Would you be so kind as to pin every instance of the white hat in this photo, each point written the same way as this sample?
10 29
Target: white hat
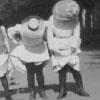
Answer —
66 10
33 24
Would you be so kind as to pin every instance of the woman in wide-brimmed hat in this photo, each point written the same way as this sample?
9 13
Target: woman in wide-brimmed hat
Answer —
32 51
64 42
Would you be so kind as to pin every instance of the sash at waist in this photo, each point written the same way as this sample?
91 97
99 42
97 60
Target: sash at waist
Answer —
31 41
39 48
62 36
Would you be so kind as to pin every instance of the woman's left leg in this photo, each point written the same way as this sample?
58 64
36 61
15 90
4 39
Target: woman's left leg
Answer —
40 80
78 78
31 80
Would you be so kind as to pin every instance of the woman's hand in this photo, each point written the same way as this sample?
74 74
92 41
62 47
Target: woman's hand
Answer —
17 37
73 50
51 52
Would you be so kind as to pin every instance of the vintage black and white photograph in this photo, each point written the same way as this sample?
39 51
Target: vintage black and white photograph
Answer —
49 50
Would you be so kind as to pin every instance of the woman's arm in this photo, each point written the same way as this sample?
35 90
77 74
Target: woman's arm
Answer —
14 33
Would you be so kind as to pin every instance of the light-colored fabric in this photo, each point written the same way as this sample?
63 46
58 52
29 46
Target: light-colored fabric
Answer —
4 33
3 40
27 56
72 41
61 46
20 55
65 34
33 23
17 63
59 62
3 64
4 49
30 37
32 40
31 48
66 9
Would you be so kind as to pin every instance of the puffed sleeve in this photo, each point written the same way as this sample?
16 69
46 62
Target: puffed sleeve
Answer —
13 31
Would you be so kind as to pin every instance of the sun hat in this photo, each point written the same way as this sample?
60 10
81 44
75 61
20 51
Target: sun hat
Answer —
65 14
33 24
66 10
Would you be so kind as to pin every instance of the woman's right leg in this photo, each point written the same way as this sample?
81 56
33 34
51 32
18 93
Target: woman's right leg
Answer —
62 83
78 78
4 82
31 80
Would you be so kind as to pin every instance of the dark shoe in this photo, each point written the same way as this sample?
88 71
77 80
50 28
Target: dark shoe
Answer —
32 95
62 94
9 98
82 92
43 94
78 78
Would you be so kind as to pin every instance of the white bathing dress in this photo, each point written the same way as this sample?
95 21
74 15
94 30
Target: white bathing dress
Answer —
32 47
60 42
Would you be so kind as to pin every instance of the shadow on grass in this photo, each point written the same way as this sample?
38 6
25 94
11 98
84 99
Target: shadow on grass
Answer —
55 87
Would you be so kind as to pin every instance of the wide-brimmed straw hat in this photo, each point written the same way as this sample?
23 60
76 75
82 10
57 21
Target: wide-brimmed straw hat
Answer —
65 14
33 22
34 25
66 10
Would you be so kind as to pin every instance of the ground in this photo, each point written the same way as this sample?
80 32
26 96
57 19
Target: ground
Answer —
90 69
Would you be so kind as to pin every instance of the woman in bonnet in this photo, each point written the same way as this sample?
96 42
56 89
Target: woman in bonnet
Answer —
64 43
31 52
